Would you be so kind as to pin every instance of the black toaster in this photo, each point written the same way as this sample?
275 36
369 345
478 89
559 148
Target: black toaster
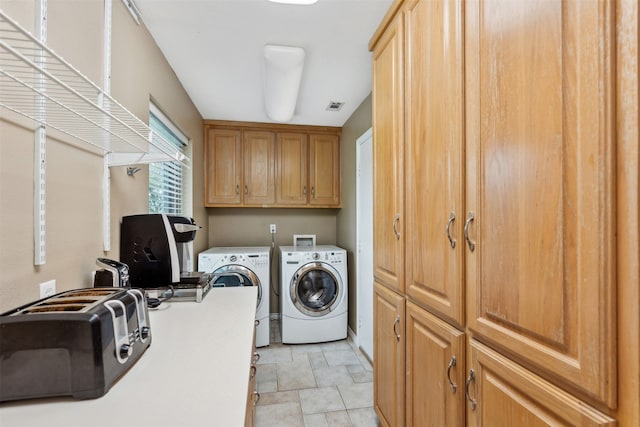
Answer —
76 343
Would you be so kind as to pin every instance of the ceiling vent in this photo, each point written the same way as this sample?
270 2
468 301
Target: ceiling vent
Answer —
335 106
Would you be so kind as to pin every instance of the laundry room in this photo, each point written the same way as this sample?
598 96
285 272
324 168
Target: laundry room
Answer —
298 213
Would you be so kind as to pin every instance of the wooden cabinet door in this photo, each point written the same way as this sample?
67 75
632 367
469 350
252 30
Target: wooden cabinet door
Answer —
540 142
506 394
324 170
388 158
434 145
388 354
435 364
291 169
259 150
223 171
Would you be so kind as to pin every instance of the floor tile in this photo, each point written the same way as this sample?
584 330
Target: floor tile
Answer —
335 345
279 415
266 379
323 399
295 375
315 420
278 397
341 357
274 354
305 348
364 417
338 419
332 375
362 377
317 360
357 395
355 368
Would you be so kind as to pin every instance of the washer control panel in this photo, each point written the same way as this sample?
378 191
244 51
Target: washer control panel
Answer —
330 257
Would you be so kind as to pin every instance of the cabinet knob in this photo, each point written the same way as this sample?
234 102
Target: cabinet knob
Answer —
304 190
313 191
237 188
246 189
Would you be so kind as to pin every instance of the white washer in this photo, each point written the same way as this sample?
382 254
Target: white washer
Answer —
242 266
313 294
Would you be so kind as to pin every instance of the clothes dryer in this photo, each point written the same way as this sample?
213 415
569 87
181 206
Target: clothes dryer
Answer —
242 266
313 294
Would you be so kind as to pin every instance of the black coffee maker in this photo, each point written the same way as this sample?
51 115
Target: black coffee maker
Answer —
156 248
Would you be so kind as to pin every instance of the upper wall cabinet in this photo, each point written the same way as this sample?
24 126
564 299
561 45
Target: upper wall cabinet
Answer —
239 167
266 165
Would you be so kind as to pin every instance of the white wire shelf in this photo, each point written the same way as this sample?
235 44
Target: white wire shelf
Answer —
38 84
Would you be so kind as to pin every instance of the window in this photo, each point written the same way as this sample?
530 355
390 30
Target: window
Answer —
166 187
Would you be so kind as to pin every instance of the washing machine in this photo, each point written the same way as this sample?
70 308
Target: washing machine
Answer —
313 294
242 266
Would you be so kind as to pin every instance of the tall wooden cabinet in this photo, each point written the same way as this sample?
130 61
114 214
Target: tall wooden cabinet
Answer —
499 233
388 157
540 178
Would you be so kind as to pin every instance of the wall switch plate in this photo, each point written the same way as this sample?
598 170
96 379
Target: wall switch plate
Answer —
272 229
47 289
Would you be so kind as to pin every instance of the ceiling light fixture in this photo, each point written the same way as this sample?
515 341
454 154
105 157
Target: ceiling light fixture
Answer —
283 73
299 2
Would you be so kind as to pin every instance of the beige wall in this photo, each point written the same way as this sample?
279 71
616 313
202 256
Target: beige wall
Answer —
358 123
73 175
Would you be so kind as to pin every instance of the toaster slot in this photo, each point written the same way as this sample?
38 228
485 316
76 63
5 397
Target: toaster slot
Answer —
54 308
120 330
143 323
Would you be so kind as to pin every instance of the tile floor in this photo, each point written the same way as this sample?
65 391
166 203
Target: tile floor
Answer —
313 385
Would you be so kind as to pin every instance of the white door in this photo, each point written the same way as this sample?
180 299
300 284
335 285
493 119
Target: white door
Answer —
364 259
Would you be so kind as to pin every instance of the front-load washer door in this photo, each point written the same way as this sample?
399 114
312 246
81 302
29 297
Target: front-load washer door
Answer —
316 289
234 275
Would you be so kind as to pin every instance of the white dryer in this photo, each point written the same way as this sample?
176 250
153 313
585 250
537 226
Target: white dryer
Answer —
242 266
313 294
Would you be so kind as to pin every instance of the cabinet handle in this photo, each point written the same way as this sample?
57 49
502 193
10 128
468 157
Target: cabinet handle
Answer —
395 226
472 402
246 189
452 242
253 371
396 323
313 191
452 363
237 188
257 322
256 357
256 397
304 190
472 244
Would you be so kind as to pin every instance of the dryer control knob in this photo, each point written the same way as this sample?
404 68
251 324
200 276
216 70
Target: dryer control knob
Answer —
233 258
316 255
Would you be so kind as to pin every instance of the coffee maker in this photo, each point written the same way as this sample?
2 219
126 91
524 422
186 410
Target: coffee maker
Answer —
157 249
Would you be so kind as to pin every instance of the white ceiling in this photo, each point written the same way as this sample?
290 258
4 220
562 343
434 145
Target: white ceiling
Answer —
215 48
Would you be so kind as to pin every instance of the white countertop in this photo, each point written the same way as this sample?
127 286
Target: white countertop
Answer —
195 373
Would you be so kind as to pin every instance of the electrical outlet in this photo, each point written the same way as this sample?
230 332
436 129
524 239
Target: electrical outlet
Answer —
47 289
272 229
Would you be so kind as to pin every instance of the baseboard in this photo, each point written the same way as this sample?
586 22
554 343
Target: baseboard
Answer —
353 335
